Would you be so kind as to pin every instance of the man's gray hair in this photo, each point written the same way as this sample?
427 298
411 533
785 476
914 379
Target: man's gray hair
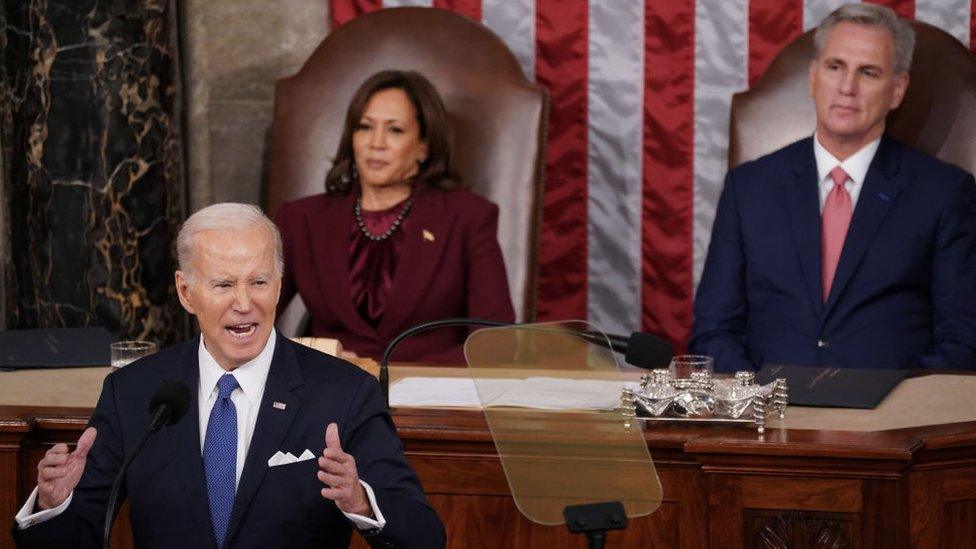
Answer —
872 15
226 216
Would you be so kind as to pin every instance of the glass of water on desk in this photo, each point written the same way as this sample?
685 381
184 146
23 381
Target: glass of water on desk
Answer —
691 366
124 352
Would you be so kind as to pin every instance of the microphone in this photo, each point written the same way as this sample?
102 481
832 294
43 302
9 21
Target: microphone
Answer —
640 349
167 406
648 351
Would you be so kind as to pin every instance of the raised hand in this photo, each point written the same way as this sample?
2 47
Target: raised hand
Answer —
59 471
337 471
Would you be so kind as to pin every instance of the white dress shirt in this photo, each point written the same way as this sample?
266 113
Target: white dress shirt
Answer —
251 379
855 165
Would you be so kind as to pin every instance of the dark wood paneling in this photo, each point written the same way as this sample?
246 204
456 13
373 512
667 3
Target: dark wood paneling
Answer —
807 494
656 530
885 514
959 524
685 488
490 522
724 511
458 474
959 483
925 504
478 521
12 432
721 486
10 500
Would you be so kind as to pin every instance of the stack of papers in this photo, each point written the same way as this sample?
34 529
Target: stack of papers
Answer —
544 393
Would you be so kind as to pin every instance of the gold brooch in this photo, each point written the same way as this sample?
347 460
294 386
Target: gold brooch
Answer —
428 236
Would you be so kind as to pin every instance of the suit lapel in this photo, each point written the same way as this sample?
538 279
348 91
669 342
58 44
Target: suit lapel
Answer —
881 187
424 239
330 245
185 440
272 425
803 204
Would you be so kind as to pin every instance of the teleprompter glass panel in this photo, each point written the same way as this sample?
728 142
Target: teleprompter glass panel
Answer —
551 395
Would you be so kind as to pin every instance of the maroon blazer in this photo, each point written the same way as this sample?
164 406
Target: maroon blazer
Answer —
460 273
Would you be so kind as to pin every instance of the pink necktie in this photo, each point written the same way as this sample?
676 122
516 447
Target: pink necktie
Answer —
836 220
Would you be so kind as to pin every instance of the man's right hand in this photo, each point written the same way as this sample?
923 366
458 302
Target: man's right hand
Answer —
59 471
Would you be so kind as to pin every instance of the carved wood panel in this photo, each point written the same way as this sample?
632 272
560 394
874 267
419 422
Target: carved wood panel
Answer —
765 529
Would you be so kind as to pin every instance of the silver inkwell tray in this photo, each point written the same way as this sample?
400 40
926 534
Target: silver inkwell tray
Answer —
703 398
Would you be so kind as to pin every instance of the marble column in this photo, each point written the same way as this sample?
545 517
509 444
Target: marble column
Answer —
93 175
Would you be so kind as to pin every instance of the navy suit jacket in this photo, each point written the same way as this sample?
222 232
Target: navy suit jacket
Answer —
275 506
459 273
904 294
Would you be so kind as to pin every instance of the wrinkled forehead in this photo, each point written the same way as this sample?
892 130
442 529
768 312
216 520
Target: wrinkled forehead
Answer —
234 253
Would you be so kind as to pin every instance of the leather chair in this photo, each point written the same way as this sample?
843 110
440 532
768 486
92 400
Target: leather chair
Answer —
938 114
498 118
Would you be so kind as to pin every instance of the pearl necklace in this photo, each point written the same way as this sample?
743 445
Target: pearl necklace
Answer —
358 212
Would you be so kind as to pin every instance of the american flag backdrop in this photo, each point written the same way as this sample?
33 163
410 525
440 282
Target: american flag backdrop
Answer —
638 134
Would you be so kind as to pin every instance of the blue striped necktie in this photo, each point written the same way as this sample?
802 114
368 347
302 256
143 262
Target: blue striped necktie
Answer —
220 457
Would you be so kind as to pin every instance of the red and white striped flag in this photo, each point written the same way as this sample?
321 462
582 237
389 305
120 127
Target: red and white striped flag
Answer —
638 133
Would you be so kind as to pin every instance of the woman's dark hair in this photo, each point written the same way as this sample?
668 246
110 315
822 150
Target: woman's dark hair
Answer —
435 129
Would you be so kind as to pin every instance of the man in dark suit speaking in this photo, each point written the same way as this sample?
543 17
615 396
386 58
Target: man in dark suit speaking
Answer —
282 446
845 249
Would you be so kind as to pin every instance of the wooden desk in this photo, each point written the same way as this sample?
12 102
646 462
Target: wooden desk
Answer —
797 487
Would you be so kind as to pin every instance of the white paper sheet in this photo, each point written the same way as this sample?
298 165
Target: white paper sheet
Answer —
545 393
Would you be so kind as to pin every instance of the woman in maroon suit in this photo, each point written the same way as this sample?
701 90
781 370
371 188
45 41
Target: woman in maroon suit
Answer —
394 241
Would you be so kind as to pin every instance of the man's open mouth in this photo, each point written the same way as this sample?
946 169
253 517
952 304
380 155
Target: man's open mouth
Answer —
242 331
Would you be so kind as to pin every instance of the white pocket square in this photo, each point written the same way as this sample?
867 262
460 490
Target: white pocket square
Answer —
286 458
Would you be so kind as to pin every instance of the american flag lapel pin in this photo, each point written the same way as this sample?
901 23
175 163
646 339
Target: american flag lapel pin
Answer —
278 405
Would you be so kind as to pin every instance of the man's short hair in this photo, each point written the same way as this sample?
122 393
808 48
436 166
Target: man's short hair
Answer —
226 216
871 15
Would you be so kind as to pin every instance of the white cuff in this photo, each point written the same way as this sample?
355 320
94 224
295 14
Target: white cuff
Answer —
366 523
25 519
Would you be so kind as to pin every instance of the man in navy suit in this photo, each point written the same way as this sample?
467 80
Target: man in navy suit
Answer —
239 469
846 249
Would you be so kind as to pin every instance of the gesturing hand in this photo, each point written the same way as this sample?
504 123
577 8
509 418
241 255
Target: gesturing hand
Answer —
337 471
59 471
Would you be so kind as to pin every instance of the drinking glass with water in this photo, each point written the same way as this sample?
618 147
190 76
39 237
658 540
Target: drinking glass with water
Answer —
124 352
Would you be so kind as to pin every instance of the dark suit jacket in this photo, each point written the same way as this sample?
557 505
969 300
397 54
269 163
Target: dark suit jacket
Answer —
461 273
904 295
275 507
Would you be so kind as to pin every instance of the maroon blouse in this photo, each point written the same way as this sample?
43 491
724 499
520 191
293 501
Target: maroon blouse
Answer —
372 263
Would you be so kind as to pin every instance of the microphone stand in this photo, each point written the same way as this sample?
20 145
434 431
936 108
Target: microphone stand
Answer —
384 362
155 422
